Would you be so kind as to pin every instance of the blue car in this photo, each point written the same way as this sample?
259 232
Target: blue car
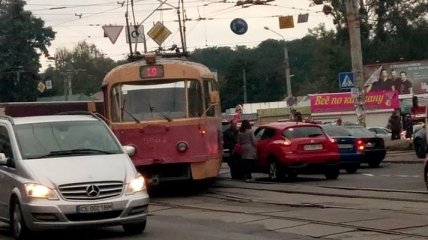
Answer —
351 148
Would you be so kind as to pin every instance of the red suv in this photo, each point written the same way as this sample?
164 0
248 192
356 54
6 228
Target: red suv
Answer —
291 148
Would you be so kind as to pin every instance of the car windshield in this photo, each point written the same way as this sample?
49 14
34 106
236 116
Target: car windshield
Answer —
53 139
302 132
335 131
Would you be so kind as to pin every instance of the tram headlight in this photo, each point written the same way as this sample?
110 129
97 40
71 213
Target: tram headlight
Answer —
182 147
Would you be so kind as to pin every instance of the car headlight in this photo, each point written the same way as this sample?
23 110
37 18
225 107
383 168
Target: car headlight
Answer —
136 185
39 191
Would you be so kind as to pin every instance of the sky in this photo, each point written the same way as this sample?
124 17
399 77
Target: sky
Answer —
208 23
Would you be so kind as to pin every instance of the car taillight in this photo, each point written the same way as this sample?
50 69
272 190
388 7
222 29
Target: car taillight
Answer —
332 140
287 142
360 145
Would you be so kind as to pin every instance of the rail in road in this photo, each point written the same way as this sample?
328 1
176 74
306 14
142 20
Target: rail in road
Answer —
312 211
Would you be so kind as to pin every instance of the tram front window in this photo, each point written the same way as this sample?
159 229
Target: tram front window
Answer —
157 100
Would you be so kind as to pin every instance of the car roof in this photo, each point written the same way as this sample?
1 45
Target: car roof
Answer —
52 118
282 125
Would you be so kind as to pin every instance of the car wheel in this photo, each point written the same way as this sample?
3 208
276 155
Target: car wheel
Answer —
275 171
374 163
18 227
134 228
351 169
420 148
332 172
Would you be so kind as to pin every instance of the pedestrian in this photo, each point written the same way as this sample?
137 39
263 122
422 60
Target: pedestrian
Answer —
230 136
247 141
298 117
395 123
339 121
408 126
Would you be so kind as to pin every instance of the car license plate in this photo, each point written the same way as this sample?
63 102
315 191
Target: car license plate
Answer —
345 146
95 208
311 147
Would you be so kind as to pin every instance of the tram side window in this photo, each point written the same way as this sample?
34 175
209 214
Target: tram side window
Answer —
195 99
208 88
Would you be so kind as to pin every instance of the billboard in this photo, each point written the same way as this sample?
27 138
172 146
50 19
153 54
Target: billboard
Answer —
403 77
343 102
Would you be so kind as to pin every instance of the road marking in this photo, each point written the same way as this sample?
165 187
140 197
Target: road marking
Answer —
389 175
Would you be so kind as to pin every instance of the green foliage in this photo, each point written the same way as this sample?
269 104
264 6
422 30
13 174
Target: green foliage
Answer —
390 31
85 65
23 38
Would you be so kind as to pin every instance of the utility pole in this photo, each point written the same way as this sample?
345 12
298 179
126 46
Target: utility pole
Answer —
356 57
245 85
286 63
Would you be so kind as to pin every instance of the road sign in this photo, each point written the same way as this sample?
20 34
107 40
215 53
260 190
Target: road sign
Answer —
41 87
48 84
159 33
112 32
346 80
136 33
239 26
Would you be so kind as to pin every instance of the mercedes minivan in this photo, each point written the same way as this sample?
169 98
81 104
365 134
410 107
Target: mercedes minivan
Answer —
67 171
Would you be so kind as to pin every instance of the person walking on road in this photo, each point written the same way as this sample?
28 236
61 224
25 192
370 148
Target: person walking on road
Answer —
394 123
230 136
247 141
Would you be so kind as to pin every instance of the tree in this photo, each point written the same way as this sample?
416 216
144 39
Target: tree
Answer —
23 38
85 65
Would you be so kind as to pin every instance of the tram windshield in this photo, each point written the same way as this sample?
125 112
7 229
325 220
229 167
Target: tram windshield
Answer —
156 100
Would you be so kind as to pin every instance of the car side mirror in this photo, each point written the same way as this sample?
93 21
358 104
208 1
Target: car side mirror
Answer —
3 159
129 149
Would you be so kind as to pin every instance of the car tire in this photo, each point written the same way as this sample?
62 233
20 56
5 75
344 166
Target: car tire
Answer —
420 148
18 227
332 172
134 228
351 169
276 172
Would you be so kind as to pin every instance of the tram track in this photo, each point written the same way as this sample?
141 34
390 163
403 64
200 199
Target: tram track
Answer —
268 215
345 192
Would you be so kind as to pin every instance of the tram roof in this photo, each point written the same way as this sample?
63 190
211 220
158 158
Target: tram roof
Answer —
173 67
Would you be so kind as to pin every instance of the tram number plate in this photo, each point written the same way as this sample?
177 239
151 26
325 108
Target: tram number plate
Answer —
312 147
345 146
95 208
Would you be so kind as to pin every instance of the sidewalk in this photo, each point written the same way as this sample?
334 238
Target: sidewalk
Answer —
401 156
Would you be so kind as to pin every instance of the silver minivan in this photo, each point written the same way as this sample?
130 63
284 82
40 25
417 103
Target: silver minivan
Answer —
67 171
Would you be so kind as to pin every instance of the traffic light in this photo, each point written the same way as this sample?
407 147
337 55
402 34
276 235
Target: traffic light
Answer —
415 101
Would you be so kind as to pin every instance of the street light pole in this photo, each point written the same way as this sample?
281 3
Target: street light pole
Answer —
286 63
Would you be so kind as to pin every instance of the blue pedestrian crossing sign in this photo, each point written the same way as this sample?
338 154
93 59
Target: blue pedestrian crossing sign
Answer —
346 80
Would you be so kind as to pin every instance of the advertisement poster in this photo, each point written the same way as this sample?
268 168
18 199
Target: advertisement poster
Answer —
343 102
403 77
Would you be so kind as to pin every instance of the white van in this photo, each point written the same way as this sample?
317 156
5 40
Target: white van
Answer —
67 171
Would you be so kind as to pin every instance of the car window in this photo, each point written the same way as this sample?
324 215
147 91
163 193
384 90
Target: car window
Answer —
268 133
360 132
334 131
5 146
40 139
302 132
259 132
